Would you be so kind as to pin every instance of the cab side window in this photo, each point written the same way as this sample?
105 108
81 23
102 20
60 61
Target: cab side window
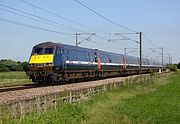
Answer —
58 51
48 50
96 59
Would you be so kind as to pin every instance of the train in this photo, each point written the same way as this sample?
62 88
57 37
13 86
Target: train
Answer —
51 62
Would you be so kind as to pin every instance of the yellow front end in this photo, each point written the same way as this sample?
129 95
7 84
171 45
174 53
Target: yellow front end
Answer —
41 62
41 59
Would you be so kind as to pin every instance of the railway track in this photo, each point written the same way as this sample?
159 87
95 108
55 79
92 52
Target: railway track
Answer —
17 87
32 85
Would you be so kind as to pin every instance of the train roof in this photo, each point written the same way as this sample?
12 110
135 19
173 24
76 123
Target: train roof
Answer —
46 44
49 43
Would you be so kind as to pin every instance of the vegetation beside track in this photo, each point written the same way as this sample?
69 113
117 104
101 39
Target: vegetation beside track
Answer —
148 102
13 78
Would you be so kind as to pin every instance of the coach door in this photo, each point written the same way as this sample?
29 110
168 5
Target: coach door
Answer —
59 58
97 60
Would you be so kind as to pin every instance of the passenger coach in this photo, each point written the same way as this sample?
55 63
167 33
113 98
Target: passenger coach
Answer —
55 62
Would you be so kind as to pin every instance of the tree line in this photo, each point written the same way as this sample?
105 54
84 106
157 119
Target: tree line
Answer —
7 65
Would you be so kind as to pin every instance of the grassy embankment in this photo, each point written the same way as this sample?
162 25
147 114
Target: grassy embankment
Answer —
13 78
155 102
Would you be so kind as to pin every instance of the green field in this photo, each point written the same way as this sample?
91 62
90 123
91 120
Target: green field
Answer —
10 78
157 102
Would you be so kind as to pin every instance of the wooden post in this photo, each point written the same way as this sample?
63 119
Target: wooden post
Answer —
114 85
45 103
55 99
38 105
70 96
89 91
104 88
31 106
92 91
139 79
1 115
14 109
21 105
124 82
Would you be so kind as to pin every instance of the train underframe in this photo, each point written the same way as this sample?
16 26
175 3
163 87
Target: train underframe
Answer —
53 77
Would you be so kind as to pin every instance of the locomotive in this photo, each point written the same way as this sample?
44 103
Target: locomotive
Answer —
55 62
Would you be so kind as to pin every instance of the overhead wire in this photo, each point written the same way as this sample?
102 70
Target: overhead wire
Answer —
49 12
31 26
127 38
47 20
155 47
146 38
30 18
66 19
134 50
100 15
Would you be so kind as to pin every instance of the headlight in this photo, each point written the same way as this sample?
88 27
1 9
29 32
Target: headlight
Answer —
31 65
48 64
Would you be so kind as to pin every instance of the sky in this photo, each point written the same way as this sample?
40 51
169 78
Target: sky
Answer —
23 25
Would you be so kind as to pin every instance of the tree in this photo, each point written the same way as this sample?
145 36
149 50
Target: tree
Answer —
16 68
3 68
173 67
25 66
10 65
178 66
19 62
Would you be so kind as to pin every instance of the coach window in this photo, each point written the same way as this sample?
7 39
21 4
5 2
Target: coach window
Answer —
110 61
89 56
62 51
76 58
96 58
86 58
105 60
115 59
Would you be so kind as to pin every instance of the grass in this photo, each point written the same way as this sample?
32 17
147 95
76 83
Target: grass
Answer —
155 102
9 78
13 75
160 106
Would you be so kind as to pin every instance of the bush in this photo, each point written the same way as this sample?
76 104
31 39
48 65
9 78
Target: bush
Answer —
4 69
152 72
173 67
16 68
2 65
10 65
178 66
25 66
